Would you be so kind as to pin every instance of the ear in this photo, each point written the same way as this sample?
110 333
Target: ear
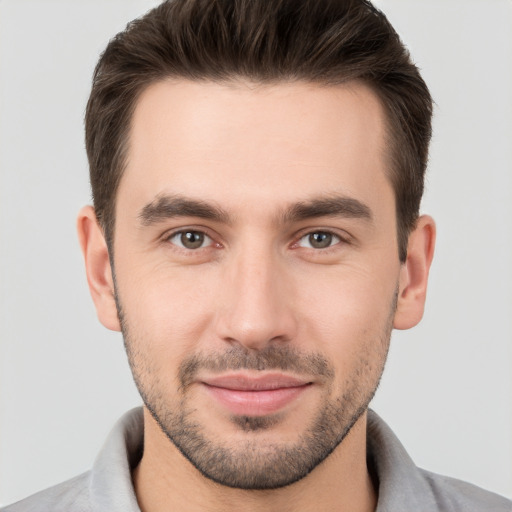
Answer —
97 267
414 274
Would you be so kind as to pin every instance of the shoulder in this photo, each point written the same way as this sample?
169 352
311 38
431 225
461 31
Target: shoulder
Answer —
69 496
403 487
107 486
456 495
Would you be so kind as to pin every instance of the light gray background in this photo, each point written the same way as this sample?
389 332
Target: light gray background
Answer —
447 390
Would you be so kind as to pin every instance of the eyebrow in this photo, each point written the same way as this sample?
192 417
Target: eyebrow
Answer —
331 206
171 206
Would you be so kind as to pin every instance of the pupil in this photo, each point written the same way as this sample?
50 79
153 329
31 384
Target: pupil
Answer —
192 239
320 240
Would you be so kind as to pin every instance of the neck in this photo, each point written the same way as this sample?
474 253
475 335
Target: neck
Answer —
164 480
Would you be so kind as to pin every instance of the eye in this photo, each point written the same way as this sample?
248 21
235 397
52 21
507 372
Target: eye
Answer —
319 240
190 239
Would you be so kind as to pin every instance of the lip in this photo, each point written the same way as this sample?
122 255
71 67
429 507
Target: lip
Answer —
255 395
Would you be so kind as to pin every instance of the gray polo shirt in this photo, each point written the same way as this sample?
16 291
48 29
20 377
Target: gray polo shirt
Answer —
403 487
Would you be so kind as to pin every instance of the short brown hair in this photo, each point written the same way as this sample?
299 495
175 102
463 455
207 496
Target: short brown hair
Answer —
265 41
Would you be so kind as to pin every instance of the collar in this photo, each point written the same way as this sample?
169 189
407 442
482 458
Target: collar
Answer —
401 485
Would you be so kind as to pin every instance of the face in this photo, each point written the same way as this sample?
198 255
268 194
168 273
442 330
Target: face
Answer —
257 270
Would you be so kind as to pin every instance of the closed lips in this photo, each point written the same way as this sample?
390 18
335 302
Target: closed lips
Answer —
255 396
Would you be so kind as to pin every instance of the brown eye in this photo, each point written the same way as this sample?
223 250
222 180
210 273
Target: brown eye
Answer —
319 240
190 239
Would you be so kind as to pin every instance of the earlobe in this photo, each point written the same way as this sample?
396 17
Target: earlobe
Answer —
414 274
97 266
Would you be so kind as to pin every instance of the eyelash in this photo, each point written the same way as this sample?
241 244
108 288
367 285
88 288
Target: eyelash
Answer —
168 238
334 238
337 238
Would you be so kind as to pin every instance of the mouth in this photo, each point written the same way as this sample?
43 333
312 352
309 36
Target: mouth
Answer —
260 395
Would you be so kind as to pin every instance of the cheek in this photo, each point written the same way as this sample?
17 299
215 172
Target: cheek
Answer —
347 312
166 310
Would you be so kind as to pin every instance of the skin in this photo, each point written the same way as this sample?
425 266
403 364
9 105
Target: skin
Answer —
256 283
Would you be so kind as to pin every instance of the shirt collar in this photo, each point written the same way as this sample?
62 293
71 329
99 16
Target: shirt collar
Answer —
401 486
111 485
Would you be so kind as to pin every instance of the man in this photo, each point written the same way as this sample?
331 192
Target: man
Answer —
257 169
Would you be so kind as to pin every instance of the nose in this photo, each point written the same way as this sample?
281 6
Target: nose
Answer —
256 301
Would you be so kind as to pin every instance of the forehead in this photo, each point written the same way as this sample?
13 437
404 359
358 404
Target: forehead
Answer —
275 142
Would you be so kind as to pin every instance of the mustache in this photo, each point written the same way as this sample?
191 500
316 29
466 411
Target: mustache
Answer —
270 358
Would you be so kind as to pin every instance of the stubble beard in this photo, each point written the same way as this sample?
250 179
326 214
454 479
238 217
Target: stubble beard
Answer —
250 465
